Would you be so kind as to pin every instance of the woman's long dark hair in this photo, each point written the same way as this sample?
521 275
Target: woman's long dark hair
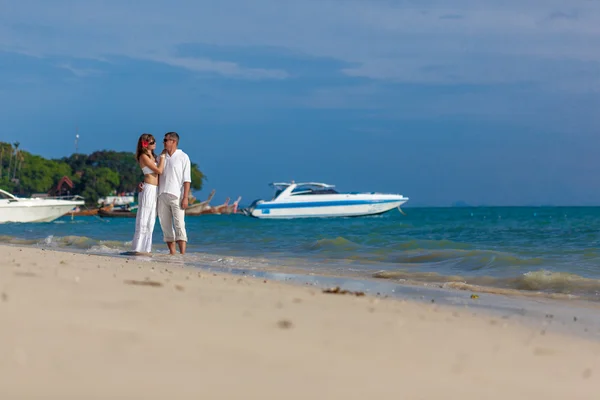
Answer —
145 138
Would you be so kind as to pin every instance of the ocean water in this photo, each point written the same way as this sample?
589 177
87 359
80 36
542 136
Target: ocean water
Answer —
548 250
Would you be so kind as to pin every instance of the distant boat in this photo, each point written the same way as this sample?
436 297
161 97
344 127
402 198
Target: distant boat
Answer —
84 213
35 209
314 199
207 209
118 212
201 207
120 200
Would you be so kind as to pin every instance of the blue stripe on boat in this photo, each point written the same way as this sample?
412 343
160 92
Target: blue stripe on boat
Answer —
322 204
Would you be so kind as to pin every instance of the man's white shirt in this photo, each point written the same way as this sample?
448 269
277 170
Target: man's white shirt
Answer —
177 171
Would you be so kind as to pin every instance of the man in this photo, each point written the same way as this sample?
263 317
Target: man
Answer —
173 192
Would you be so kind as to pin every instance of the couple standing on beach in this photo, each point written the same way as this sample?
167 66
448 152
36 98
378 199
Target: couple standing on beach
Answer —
165 191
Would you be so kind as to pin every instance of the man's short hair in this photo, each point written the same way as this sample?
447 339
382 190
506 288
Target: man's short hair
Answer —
173 135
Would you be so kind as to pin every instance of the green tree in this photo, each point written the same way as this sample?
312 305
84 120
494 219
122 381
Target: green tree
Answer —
96 183
24 173
198 177
39 175
96 175
122 162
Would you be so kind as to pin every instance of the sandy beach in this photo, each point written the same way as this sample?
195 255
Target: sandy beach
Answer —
76 326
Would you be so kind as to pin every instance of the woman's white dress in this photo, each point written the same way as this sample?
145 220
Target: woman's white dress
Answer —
145 218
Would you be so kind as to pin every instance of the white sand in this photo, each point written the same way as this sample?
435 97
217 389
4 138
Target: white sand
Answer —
72 328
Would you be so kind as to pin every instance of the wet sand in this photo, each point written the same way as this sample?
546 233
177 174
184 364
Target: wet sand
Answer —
79 326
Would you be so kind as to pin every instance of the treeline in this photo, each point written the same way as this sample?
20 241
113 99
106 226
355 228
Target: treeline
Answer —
96 175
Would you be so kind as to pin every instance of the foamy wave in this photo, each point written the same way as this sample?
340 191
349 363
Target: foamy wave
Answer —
337 244
78 242
542 281
562 282
82 243
446 253
105 249
15 240
470 260
431 245
509 292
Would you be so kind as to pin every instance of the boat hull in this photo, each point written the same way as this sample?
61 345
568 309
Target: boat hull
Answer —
35 210
360 208
84 213
116 214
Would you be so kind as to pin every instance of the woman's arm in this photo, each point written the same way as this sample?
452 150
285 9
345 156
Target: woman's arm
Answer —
147 161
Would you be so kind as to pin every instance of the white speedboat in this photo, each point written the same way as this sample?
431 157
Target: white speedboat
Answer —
313 199
36 209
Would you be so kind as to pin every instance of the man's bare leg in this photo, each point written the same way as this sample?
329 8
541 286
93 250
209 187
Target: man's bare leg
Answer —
171 246
182 245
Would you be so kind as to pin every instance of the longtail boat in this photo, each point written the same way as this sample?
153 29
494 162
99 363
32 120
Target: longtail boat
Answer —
199 208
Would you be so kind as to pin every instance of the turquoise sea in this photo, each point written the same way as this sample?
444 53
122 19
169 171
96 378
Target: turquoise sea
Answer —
547 249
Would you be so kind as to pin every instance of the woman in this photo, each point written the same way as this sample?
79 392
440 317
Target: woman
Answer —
146 213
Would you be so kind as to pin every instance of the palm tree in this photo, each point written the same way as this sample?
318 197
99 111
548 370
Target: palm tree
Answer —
20 165
10 163
16 144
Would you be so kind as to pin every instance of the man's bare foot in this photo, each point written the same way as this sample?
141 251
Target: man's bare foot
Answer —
171 246
182 246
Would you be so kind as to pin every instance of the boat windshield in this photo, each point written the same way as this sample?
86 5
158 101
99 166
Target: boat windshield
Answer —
5 195
277 193
307 188
312 190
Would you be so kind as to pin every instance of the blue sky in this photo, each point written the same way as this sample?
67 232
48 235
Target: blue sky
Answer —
485 102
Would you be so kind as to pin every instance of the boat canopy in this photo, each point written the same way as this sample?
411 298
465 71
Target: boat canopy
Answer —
282 185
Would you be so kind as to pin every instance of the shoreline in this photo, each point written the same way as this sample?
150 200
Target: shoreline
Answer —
528 307
535 279
86 326
569 314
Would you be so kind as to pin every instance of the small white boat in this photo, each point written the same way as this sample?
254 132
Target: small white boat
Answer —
313 199
117 200
35 209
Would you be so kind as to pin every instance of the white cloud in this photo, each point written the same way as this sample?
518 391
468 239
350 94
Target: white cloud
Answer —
225 68
471 41
80 72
